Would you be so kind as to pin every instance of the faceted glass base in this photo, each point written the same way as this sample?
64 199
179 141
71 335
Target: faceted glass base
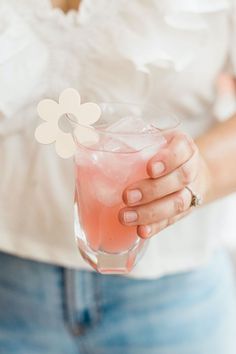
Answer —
108 263
112 263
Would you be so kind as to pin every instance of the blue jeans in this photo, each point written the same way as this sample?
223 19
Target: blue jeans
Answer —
49 309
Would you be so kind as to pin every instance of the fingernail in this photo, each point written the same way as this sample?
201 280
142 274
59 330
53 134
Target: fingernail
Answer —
134 196
157 168
130 216
145 231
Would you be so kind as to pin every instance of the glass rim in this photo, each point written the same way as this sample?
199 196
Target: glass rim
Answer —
156 130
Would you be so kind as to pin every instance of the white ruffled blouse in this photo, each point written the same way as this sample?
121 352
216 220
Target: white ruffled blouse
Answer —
168 51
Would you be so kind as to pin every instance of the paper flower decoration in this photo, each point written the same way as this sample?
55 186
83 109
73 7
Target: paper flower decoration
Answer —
84 116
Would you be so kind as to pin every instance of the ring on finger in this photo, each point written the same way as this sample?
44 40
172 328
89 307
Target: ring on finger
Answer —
196 199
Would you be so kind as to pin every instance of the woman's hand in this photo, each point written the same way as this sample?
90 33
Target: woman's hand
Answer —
159 201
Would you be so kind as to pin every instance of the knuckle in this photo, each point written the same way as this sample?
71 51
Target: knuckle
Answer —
180 134
159 226
149 190
186 138
183 145
146 215
155 192
171 221
182 138
155 229
186 174
180 202
152 214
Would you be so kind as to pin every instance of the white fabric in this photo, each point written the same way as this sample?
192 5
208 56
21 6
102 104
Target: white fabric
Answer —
167 51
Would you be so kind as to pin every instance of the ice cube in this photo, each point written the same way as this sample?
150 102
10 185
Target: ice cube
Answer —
141 135
86 157
148 152
117 166
106 192
128 124
113 144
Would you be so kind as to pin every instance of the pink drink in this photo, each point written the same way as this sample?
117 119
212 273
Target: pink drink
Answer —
98 212
126 142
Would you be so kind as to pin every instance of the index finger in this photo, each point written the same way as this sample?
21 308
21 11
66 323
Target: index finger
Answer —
178 150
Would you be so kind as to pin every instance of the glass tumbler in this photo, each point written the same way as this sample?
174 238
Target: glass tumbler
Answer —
128 136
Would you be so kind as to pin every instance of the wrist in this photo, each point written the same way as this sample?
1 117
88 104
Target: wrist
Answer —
206 182
206 175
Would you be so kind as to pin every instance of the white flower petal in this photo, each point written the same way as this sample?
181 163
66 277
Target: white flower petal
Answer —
65 145
69 101
48 110
86 135
89 113
46 133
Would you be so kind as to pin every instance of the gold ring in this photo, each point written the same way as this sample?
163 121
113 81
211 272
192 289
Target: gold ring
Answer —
196 199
